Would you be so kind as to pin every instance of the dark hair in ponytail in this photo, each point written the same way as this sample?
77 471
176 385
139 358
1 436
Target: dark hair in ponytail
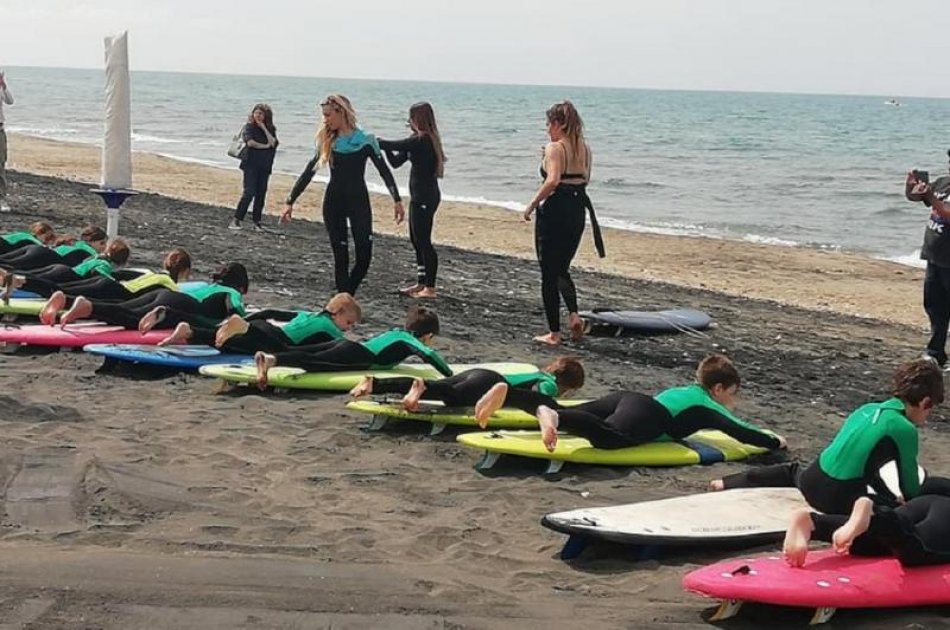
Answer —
232 275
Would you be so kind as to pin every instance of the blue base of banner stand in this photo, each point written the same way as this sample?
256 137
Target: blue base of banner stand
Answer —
113 199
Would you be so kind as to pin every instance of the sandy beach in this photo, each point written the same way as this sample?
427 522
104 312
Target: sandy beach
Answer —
138 501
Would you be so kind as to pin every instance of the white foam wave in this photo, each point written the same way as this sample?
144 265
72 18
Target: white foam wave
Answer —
909 260
144 137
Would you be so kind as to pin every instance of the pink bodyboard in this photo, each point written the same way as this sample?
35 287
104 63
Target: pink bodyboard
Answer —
827 580
77 335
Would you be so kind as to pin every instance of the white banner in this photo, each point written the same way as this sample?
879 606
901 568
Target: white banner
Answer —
117 148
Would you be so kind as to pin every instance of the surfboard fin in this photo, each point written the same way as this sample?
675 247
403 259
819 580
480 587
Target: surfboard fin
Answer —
728 608
822 615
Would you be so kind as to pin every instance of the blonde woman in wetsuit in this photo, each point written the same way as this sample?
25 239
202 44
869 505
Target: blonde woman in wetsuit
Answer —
561 202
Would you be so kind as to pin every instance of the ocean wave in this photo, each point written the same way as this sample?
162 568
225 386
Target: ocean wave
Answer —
46 132
909 260
770 240
144 137
617 183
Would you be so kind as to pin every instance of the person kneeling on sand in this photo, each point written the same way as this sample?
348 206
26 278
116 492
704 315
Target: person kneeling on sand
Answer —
379 353
255 333
486 390
875 434
917 533
624 419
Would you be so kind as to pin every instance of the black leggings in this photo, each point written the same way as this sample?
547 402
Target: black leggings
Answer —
617 420
255 187
47 280
102 288
421 216
824 493
916 533
465 389
6 248
179 307
337 210
37 256
336 356
557 234
261 336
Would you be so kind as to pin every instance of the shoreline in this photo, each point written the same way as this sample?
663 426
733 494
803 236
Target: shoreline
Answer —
847 283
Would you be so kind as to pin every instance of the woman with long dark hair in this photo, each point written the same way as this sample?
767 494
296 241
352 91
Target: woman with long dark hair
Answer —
561 202
423 149
260 135
344 147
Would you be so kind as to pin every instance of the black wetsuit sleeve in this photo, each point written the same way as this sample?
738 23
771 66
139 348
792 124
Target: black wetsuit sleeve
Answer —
397 151
385 173
699 417
276 314
399 350
305 178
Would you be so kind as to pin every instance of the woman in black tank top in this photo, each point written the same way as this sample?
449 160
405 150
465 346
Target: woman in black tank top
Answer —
561 203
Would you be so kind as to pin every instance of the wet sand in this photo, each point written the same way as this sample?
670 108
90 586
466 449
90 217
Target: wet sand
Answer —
141 502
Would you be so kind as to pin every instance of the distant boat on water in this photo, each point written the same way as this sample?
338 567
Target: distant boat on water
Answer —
893 102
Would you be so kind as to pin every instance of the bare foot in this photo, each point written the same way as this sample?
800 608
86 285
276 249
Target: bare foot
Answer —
152 319
550 339
425 293
411 289
181 334
363 388
264 362
856 525
51 309
577 326
231 327
491 402
716 485
411 400
795 547
547 419
81 308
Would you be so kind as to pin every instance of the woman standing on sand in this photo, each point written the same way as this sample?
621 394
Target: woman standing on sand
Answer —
345 148
424 150
261 138
561 201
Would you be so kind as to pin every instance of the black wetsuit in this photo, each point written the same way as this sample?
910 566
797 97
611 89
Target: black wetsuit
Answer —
16 240
37 256
425 197
108 289
466 388
47 280
557 234
624 419
380 352
257 166
303 329
179 307
916 533
347 199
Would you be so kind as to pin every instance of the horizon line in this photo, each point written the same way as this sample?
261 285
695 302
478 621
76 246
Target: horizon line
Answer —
496 84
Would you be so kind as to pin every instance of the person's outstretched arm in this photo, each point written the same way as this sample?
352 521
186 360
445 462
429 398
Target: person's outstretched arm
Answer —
397 151
299 186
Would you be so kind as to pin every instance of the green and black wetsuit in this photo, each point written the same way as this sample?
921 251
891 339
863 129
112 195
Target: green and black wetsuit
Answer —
623 419
381 352
303 328
873 435
525 391
16 240
202 306
37 256
47 280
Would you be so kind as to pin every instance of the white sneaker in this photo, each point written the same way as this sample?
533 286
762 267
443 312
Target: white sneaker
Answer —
4 207
234 225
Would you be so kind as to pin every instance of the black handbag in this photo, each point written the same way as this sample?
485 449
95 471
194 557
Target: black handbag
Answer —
238 147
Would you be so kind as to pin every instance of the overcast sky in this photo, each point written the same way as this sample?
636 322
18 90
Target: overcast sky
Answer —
881 47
